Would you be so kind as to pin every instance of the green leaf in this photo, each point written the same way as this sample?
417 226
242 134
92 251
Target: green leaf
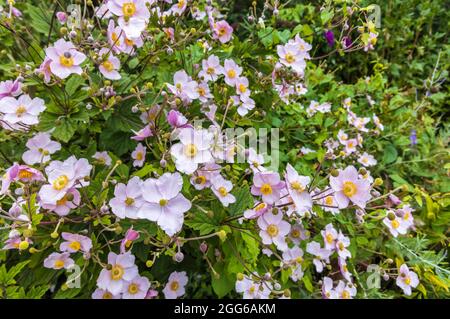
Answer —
244 200
221 283
390 154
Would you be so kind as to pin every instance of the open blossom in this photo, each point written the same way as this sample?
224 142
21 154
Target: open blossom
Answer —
110 65
395 224
252 289
349 187
65 59
298 233
328 291
175 285
221 188
342 242
74 243
136 288
22 110
294 257
204 93
268 185
103 158
302 45
63 206
232 72
40 147
242 87
10 88
194 149
164 204
258 210
211 69
345 290
104 294
274 229
121 272
222 31
297 189
143 133
139 155
184 87
133 15
179 7
127 199
58 261
291 56
329 235
62 176
407 279
203 176
45 70
367 160
321 255
20 173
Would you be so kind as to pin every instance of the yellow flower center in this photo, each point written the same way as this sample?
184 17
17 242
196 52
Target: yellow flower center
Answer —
129 201
395 224
341 246
329 200
60 182
108 66
59 264
222 31
231 73
201 91
290 58
242 88
272 230
62 201
107 295
163 202
260 206
23 174
20 110
407 280
223 191
266 189
129 42
128 9
345 294
190 150
75 245
114 37
180 4
329 238
210 70
349 189
200 180
133 288
66 60
295 233
117 272
174 286
297 186
252 289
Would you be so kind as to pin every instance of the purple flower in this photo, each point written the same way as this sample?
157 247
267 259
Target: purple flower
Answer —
122 270
139 155
176 119
329 36
346 42
74 243
65 59
10 88
407 279
413 137
142 134
40 147
269 185
127 198
164 204
58 261
136 288
130 236
175 285
349 187
61 16
274 230
24 109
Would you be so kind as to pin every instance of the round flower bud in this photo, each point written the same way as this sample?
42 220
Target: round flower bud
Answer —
385 277
277 286
362 171
149 263
203 247
163 163
27 232
391 216
109 267
334 172
54 235
23 245
32 250
222 235
135 109
267 276
378 181
240 276
178 257
18 191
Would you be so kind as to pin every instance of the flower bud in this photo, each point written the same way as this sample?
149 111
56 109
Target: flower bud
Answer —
24 245
334 172
391 216
54 235
378 181
222 235
240 276
203 247
178 257
149 263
